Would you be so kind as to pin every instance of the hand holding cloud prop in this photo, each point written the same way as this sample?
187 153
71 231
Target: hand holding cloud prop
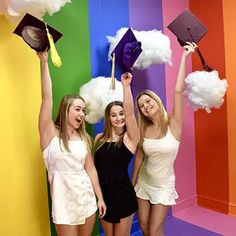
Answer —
14 10
155 46
205 90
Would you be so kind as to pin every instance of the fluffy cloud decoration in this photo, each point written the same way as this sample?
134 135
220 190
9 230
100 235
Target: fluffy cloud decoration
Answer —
155 45
205 90
14 10
97 93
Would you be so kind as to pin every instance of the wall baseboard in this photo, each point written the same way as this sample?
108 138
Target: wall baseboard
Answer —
214 204
184 204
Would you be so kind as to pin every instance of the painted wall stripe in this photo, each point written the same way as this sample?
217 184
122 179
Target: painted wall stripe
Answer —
23 199
73 47
105 18
211 129
145 16
230 52
185 162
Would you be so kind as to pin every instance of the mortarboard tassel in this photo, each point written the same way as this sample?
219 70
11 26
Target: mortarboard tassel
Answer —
56 60
204 65
113 72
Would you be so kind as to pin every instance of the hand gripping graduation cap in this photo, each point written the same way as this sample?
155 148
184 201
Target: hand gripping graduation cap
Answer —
39 36
108 89
200 84
188 28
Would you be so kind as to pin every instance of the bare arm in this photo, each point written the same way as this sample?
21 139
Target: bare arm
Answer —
46 125
176 117
139 157
92 173
131 123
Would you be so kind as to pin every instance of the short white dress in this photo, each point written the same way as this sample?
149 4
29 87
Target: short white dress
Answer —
156 179
73 198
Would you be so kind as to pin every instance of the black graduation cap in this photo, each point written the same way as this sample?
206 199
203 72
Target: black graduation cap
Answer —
34 33
188 28
39 36
127 51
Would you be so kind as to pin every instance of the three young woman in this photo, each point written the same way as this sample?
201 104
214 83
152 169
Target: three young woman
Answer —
71 172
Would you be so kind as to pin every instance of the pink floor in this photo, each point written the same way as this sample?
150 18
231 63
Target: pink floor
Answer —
208 219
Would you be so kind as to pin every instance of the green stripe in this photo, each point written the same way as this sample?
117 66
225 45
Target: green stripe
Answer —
73 48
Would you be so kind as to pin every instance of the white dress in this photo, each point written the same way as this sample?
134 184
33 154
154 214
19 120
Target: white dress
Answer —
73 198
156 179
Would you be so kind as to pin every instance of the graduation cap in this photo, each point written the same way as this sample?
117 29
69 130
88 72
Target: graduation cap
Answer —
39 36
127 51
188 28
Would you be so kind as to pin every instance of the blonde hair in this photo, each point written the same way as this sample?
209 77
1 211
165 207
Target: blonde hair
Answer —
62 119
106 135
143 121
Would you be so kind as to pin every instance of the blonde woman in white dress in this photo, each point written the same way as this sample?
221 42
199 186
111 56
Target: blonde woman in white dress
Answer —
154 161
66 151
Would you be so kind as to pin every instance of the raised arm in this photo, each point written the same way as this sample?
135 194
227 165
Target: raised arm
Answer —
46 125
128 104
176 117
139 157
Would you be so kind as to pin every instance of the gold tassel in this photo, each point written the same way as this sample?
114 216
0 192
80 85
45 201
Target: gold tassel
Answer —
113 72
56 60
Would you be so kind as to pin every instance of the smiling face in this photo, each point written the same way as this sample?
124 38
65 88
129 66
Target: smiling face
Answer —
117 116
148 106
76 113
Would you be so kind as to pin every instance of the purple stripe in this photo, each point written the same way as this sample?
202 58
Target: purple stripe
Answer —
147 15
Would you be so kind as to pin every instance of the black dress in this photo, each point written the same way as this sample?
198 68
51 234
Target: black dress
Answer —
118 192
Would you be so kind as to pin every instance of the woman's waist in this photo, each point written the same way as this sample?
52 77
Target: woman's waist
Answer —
67 172
157 176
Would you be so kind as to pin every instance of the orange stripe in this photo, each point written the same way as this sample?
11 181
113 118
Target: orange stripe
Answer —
211 129
230 52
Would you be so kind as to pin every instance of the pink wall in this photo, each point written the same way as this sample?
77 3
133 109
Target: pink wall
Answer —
185 163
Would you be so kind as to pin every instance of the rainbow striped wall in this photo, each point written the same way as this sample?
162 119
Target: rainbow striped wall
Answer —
205 167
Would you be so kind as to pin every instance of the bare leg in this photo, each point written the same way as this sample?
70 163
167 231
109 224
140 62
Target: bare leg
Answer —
66 230
107 227
143 215
157 219
124 227
87 228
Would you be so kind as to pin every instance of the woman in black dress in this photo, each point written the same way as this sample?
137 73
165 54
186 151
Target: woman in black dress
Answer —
114 148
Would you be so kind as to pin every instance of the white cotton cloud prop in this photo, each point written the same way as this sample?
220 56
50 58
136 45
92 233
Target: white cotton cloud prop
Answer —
97 94
14 10
155 45
205 90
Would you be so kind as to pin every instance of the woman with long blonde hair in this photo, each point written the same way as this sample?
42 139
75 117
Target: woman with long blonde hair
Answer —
159 145
66 151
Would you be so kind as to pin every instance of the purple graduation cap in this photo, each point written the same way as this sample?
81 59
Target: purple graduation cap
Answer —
33 31
127 51
188 28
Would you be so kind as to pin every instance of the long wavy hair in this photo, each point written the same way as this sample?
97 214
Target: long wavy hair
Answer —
143 121
106 135
62 121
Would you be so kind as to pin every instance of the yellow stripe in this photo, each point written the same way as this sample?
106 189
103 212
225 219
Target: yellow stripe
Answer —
23 198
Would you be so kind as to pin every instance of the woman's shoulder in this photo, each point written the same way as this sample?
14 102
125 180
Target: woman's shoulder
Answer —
98 136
